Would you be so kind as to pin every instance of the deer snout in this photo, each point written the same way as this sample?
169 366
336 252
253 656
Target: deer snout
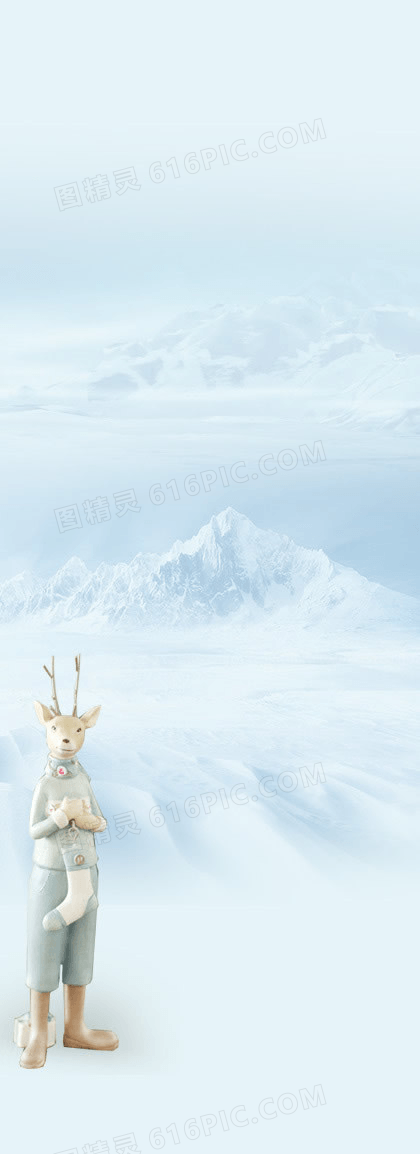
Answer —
66 741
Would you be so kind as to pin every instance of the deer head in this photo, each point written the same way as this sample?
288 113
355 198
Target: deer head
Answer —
65 732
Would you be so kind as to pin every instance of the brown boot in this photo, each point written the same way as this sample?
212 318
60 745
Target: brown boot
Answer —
35 1053
76 1034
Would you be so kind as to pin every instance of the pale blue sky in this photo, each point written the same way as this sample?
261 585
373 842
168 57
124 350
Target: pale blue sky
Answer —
95 89
92 90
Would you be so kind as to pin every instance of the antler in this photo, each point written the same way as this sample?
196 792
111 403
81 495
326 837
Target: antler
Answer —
77 664
56 706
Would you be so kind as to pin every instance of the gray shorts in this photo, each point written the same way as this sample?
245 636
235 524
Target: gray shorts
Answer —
72 947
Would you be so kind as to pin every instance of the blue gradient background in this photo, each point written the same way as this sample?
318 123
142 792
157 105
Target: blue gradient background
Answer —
216 1005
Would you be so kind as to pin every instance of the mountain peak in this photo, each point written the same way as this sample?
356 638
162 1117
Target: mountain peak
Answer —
75 566
229 568
229 518
228 525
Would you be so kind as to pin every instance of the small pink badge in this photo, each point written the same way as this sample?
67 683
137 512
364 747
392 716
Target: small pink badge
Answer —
61 769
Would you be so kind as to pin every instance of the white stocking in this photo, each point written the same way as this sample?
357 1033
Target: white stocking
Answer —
80 900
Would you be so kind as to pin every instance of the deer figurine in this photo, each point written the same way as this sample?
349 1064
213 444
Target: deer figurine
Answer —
63 886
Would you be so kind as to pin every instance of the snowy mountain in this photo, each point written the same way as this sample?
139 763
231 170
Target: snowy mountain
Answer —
356 360
230 570
346 353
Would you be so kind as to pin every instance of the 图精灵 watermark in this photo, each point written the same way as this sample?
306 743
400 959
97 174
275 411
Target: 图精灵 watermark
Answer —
204 1125
100 187
98 509
216 800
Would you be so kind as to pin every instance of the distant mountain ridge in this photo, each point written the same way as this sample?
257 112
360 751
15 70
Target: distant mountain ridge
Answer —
358 359
228 569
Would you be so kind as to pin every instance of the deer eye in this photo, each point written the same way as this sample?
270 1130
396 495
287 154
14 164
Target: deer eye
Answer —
79 730
53 727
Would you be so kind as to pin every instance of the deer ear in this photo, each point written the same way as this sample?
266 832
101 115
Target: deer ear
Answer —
43 713
91 716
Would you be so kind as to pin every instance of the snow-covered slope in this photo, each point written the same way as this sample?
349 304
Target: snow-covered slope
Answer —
361 361
230 569
347 355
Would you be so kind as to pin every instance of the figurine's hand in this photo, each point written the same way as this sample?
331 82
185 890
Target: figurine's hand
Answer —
73 808
88 821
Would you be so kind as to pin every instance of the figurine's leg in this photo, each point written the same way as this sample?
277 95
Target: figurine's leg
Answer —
76 1034
35 1052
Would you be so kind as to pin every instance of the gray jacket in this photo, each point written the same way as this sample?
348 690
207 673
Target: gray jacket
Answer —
60 779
